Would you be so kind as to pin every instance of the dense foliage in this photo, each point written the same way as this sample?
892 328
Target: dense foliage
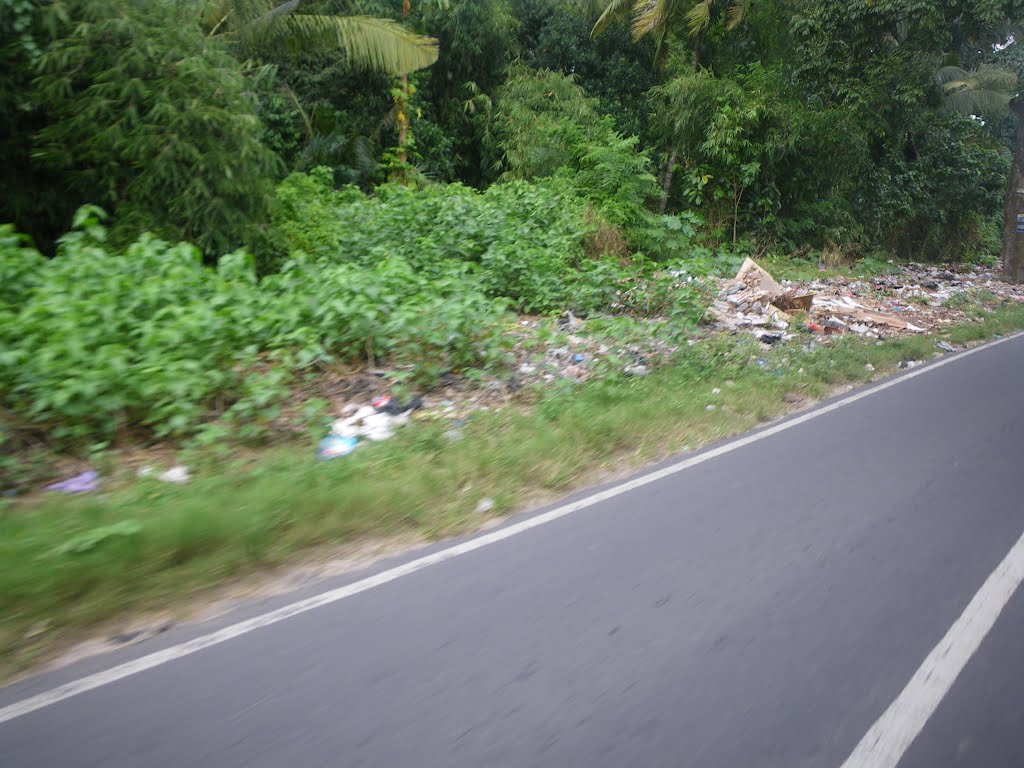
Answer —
144 115
399 193
99 339
789 123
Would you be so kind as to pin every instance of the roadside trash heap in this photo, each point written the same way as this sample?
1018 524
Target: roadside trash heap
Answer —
754 301
911 300
375 422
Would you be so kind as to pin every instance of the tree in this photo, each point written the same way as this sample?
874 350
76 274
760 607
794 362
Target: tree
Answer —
477 40
556 36
144 115
540 118
657 18
261 28
990 90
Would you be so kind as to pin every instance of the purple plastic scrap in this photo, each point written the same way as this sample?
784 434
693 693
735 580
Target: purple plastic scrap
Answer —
83 483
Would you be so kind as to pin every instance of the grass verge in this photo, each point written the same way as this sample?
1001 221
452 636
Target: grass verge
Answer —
71 563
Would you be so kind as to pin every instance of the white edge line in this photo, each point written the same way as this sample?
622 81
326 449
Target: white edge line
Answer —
892 734
143 663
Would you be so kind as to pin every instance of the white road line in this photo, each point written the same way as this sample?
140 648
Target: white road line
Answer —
893 733
120 672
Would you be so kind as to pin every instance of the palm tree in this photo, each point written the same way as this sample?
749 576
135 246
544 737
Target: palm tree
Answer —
990 91
264 27
657 17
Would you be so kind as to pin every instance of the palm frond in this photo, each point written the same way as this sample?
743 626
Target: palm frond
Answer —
367 42
613 9
660 47
737 11
950 73
650 15
987 90
977 103
699 17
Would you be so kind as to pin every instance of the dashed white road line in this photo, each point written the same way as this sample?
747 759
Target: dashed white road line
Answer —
893 733
158 658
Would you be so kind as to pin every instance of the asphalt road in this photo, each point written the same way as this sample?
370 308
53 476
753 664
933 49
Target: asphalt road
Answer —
762 608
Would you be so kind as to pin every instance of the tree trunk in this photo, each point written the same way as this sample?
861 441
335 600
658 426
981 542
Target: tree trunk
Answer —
666 180
403 109
403 122
1013 207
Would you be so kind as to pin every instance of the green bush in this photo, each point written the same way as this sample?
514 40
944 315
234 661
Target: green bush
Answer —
98 339
547 126
519 240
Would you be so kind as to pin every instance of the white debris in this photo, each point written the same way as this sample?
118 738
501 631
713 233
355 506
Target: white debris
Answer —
178 475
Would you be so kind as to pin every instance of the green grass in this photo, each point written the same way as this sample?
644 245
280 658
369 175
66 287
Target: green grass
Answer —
69 564
783 267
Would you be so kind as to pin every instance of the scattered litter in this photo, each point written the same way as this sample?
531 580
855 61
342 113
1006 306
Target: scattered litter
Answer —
333 446
710 407
869 367
570 322
907 364
761 362
945 346
485 506
83 483
716 391
178 475
578 358
574 372
636 370
371 423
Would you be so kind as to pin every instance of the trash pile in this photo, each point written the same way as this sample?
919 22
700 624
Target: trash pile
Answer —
543 351
911 300
753 300
375 422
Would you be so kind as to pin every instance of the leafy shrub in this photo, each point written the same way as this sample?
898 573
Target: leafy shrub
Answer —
102 338
614 176
20 268
529 242
519 240
547 126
